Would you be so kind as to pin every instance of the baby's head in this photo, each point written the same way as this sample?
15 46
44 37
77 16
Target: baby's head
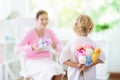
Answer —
83 25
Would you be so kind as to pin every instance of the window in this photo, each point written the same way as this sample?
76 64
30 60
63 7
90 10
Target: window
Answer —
64 11
5 8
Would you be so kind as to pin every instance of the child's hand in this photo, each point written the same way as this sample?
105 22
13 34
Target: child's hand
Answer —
54 45
79 65
35 47
83 68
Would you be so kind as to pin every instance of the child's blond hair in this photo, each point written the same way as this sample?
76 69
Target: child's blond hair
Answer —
83 25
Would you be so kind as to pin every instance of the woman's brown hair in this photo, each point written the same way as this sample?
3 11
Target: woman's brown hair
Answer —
40 12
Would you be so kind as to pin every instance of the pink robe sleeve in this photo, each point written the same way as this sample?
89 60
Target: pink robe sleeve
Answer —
23 45
56 40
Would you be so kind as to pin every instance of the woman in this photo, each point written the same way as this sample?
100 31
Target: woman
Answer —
39 64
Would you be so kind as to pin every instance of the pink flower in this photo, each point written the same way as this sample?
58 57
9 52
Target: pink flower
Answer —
80 51
88 46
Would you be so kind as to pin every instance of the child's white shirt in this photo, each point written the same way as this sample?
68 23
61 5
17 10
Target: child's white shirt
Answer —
68 54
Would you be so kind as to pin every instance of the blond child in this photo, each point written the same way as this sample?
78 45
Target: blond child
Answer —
82 27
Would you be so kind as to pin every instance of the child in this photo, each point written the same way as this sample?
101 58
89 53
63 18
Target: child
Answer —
82 27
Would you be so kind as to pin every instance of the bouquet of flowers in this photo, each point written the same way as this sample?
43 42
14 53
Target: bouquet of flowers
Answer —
87 54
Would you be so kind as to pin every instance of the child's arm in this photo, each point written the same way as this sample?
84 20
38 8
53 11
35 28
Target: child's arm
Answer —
66 57
98 61
101 59
84 67
72 64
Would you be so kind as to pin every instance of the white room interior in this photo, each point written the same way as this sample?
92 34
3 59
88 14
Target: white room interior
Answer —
12 27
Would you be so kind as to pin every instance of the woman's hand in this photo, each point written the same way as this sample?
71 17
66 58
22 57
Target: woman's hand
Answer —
54 45
35 47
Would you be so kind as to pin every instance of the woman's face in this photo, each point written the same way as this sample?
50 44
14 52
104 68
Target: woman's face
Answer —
42 21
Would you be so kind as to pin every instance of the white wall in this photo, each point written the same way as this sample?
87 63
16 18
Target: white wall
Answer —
113 35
